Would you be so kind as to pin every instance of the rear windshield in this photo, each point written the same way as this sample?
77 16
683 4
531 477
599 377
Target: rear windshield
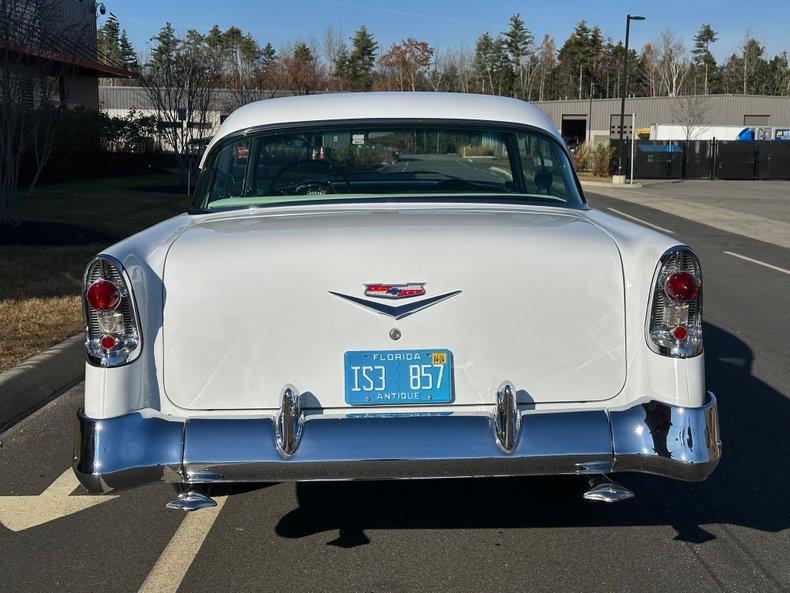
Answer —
434 162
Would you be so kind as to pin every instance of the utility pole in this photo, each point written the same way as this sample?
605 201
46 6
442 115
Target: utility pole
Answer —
624 91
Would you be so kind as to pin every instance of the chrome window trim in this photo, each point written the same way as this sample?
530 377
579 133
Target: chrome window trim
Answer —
297 126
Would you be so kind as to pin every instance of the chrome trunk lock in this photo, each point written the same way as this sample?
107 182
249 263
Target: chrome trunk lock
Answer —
507 418
289 422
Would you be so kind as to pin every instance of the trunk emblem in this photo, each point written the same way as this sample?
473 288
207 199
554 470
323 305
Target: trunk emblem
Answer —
399 311
395 291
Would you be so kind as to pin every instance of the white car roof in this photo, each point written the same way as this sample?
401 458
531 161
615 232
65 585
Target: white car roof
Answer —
410 105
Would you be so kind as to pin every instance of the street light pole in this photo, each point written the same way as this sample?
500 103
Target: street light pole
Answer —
624 90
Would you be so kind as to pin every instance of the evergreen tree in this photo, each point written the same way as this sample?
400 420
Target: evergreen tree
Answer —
128 55
108 42
518 45
268 57
357 68
704 61
491 64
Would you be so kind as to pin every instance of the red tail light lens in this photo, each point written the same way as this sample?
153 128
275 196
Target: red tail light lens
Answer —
103 295
674 326
681 287
112 326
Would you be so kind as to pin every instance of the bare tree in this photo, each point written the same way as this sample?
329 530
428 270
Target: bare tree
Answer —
34 36
547 61
673 63
692 112
179 80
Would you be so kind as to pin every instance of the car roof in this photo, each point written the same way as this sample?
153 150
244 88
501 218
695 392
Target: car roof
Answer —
384 105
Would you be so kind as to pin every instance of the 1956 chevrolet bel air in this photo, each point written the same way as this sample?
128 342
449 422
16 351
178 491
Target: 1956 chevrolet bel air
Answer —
392 285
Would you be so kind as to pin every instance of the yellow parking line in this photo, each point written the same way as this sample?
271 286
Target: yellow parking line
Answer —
177 557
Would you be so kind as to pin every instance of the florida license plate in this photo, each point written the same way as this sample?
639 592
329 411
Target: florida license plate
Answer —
398 377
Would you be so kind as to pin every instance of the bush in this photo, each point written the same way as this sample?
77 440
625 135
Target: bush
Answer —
582 157
602 159
92 144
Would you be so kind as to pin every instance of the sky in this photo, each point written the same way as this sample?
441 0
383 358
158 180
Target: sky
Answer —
452 23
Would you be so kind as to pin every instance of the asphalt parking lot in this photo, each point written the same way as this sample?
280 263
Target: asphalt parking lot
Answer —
730 533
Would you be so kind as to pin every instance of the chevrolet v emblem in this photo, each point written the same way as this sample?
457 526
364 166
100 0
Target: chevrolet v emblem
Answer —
399 311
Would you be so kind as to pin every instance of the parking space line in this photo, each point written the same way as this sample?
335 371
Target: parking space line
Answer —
640 221
757 261
174 562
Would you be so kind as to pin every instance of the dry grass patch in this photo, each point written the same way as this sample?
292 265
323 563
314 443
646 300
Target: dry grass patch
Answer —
40 284
31 325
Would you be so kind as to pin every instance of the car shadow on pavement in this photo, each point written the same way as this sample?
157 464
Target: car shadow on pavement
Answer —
749 487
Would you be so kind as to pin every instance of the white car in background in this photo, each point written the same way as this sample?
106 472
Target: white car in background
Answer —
392 285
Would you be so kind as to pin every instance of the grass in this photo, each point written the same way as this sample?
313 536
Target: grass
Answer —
40 284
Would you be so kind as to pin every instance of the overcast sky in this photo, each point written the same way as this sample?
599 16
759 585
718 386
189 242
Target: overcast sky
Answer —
446 23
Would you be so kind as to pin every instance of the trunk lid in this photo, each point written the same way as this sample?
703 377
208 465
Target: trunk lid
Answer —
249 305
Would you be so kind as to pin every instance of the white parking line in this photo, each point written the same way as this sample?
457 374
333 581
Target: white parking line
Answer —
640 221
175 560
758 262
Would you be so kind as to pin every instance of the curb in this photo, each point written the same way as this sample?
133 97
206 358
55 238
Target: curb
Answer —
612 185
40 378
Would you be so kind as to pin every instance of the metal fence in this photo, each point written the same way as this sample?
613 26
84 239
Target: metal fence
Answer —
707 159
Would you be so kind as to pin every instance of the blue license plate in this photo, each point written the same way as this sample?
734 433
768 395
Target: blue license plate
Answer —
398 377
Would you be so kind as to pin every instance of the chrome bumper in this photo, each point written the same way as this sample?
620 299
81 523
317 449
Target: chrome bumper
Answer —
656 438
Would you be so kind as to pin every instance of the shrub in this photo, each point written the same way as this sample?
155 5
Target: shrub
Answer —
602 159
582 157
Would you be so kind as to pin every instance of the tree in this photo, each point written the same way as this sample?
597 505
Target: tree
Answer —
128 55
408 60
355 69
691 112
30 102
672 65
302 72
703 58
179 80
546 63
581 56
491 64
518 47
108 38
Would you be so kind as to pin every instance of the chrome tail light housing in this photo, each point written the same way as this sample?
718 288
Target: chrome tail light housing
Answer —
674 320
112 326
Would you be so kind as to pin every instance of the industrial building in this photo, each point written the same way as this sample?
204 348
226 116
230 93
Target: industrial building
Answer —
591 121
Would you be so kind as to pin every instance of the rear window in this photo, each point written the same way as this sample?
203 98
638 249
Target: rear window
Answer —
437 162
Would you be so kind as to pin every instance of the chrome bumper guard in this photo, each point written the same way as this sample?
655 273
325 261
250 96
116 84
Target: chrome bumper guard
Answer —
137 448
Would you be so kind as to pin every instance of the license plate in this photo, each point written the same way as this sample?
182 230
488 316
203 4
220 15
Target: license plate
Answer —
398 377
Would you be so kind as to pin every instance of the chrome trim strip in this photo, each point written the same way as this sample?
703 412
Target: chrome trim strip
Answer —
656 438
400 311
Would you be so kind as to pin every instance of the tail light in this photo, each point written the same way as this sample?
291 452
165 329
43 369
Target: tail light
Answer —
112 329
674 325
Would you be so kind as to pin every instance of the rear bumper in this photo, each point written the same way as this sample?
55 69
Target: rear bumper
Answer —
137 448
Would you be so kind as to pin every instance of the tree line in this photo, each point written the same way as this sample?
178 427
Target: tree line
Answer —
512 63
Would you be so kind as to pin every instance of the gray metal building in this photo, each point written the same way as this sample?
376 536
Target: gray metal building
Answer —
579 120
585 120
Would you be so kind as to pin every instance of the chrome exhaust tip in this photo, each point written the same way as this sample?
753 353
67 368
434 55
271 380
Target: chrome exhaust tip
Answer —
191 501
603 489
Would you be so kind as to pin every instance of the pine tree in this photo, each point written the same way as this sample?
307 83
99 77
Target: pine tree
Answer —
108 42
128 55
703 58
268 57
358 69
518 46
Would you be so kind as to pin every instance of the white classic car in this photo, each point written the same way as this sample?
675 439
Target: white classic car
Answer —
392 285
